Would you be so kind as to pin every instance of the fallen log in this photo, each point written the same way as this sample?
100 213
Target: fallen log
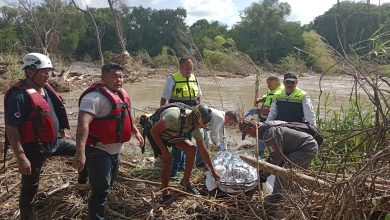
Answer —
294 175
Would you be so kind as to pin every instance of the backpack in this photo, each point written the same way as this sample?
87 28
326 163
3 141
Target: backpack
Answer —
303 127
148 122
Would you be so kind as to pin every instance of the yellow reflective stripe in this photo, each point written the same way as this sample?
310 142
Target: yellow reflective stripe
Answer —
185 88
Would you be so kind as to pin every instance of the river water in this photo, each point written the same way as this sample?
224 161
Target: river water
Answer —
238 93
221 93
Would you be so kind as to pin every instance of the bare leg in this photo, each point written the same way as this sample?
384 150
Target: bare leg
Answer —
189 149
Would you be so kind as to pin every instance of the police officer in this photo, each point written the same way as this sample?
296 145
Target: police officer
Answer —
292 104
35 119
181 87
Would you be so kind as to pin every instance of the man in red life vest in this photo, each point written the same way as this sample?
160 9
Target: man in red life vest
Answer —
104 124
35 117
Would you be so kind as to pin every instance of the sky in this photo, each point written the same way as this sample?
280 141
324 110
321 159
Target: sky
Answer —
228 11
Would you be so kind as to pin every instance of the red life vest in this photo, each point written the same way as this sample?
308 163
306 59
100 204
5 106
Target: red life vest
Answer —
116 127
39 126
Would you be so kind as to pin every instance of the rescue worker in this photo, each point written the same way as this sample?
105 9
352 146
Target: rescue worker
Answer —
288 148
172 128
35 119
181 87
274 86
219 119
104 125
292 104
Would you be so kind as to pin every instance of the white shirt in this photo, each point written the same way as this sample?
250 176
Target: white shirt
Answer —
308 111
99 105
170 85
217 128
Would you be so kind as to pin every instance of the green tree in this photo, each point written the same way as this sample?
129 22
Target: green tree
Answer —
8 38
320 54
348 23
202 28
259 27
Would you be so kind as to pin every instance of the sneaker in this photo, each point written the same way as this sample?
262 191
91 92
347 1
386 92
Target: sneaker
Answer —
189 188
83 186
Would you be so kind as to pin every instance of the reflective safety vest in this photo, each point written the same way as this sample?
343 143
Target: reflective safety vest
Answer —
185 90
116 127
268 97
290 107
39 126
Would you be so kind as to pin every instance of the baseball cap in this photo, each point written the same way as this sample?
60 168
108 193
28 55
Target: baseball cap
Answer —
290 77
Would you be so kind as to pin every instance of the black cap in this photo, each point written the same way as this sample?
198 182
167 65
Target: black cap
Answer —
290 77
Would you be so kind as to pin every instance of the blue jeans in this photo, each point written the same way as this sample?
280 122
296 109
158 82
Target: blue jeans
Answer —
102 172
30 183
198 158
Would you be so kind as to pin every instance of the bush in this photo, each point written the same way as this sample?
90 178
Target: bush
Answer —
142 57
164 59
291 63
107 55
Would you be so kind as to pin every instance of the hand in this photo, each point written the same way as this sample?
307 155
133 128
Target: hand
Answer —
140 139
79 161
216 175
62 134
24 165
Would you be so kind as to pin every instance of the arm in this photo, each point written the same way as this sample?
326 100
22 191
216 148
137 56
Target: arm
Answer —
13 136
167 92
273 112
156 131
199 95
206 158
138 135
163 102
308 111
84 119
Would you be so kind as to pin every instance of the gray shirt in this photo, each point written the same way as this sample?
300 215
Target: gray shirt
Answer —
282 141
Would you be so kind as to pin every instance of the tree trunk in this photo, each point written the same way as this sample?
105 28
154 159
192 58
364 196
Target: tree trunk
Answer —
97 34
284 173
119 31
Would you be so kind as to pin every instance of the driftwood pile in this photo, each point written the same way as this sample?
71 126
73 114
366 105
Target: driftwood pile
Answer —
365 194
132 197
311 195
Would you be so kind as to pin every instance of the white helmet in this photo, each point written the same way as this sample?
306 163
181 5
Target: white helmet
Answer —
38 60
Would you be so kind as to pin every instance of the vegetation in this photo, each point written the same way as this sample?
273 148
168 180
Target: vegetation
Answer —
263 33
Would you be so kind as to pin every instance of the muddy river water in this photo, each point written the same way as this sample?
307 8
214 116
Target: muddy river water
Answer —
221 93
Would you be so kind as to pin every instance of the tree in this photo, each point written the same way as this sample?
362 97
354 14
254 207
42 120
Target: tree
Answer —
202 28
320 54
45 20
260 25
347 23
97 32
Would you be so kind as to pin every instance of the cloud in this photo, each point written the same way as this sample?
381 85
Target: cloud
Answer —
211 10
145 3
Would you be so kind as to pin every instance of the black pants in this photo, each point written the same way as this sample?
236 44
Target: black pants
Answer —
30 183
